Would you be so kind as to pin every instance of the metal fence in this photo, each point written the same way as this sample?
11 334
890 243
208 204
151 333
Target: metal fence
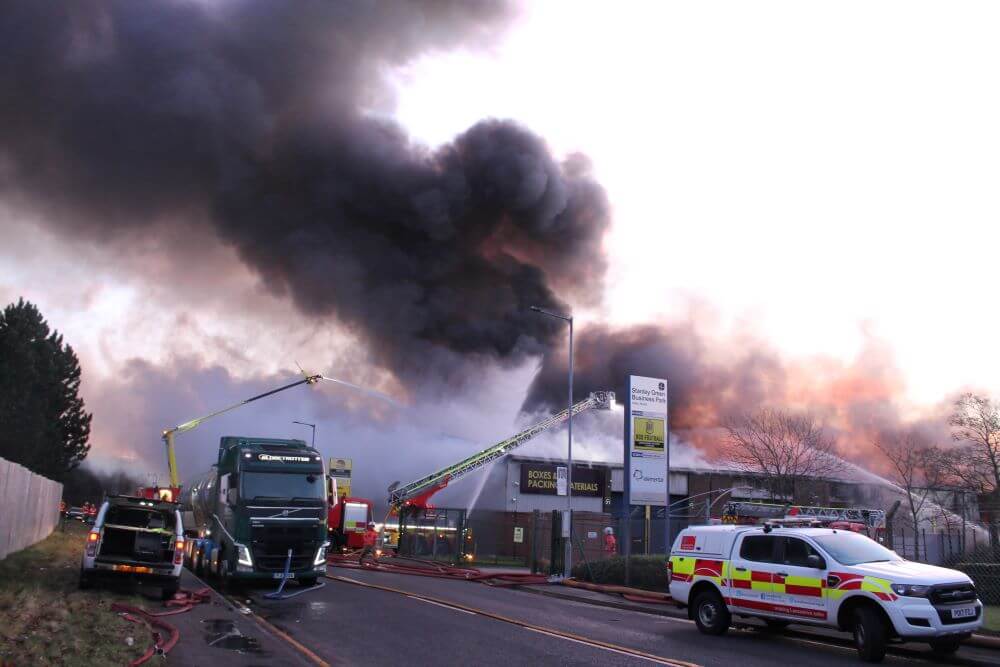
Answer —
29 507
971 548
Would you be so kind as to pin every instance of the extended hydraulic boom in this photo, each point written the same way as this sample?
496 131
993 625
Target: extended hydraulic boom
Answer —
418 492
168 434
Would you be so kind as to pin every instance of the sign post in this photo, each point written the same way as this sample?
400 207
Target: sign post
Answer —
340 471
646 466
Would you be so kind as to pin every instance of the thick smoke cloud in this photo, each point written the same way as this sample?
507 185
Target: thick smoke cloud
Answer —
714 378
704 387
259 121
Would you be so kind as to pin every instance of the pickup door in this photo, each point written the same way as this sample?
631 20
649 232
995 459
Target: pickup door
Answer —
753 565
800 583
772 576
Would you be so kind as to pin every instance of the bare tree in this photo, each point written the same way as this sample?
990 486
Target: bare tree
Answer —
917 469
783 448
975 425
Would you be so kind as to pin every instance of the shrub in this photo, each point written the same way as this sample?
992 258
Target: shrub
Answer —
647 572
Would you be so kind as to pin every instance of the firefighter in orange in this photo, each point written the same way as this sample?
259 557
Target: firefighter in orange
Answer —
370 540
610 543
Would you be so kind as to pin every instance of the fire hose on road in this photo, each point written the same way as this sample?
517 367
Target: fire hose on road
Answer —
182 602
425 568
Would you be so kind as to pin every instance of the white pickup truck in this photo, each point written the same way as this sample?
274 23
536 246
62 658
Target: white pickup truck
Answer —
820 576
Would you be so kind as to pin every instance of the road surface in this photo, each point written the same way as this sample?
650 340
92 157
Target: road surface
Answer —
355 620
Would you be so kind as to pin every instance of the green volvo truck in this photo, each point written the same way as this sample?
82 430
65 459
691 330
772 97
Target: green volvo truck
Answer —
262 508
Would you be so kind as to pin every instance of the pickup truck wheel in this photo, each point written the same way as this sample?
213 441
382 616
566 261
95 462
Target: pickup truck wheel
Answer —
86 582
168 591
945 645
710 614
307 582
870 634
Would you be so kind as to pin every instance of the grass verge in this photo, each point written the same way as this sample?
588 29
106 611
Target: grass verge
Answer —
46 620
991 618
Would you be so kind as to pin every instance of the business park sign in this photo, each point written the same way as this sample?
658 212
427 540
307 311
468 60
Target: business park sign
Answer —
646 430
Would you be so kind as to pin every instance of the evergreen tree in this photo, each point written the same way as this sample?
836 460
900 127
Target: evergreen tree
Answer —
43 424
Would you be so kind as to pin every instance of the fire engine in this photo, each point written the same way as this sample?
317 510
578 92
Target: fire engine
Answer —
347 519
821 576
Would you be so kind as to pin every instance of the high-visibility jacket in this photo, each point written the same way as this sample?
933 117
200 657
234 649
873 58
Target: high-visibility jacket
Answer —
370 538
610 544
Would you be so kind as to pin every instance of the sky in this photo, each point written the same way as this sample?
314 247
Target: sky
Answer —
818 176
818 172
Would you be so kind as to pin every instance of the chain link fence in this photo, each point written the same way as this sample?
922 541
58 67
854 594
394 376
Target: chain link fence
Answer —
971 548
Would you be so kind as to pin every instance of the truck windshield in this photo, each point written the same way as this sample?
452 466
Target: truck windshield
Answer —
285 486
853 549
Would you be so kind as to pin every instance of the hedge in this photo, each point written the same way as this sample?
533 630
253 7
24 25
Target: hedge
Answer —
648 572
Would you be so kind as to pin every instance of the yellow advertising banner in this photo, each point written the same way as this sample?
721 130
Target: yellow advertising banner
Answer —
340 471
648 434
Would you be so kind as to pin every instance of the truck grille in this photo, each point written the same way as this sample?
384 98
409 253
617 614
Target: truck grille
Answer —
945 598
270 547
953 594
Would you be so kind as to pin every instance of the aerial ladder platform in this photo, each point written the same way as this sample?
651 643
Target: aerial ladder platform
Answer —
416 494
872 518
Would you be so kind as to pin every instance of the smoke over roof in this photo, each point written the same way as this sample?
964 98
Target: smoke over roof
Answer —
259 122
263 125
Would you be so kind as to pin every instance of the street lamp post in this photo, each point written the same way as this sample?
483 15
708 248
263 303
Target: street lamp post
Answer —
312 426
568 552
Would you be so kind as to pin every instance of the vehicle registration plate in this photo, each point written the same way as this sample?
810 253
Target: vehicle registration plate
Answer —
281 575
963 612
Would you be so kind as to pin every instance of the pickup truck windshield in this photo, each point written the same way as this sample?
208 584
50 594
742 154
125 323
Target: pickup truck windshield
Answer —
282 485
853 549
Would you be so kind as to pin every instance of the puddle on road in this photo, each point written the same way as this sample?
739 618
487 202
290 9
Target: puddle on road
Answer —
223 633
317 609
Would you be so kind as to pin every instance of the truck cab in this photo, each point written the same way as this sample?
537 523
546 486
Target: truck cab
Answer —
260 513
821 576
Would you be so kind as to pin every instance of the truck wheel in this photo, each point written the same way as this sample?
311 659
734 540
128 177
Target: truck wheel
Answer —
870 634
213 563
710 613
308 582
223 567
86 582
945 645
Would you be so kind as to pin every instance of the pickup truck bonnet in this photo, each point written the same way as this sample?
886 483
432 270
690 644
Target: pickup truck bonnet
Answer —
908 572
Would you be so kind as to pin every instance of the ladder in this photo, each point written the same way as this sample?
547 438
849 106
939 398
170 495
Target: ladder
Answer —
870 517
600 400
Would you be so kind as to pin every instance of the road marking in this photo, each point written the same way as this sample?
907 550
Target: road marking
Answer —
673 619
438 604
659 661
849 649
635 653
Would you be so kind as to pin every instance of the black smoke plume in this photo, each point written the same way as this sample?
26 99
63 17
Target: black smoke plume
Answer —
260 122
703 388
